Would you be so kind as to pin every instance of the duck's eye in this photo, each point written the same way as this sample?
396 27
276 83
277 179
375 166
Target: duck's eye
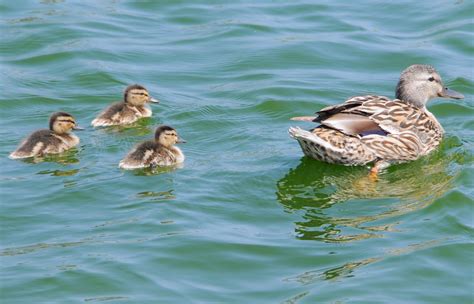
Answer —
431 79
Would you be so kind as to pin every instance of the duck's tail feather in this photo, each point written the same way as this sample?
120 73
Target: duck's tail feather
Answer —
303 118
315 147
304 136
332 147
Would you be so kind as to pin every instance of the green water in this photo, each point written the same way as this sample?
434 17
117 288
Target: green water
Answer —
247 219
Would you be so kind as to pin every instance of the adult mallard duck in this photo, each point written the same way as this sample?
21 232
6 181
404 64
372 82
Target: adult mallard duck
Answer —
55 140
133 107
376 129
158 152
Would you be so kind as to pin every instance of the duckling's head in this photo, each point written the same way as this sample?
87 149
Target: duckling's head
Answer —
167 136
62 122
419 83
136 95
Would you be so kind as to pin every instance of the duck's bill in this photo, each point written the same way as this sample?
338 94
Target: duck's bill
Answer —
448 93
78 129
153 100
181 141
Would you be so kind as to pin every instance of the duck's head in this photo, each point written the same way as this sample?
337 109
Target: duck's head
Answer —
419 83
167 136
136 95
62 122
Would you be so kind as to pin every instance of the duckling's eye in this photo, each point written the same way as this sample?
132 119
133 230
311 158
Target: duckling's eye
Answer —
431 79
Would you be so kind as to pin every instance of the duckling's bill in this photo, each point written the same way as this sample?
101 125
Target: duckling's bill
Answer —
153 100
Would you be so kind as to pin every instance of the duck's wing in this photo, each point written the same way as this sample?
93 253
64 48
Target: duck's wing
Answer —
329 111
347 106
366 115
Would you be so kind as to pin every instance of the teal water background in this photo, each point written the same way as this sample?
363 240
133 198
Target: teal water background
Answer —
247 219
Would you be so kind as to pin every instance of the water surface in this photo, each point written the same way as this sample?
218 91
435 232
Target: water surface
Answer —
247 219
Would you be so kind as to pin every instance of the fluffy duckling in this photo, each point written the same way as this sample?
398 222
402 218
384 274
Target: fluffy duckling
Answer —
158 152
55 140
133 107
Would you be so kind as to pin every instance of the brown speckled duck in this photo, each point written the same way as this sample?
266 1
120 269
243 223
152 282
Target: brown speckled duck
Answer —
55 140
375 129
158 152
133 107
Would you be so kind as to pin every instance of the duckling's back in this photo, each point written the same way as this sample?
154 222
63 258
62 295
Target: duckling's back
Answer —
141 156
120 114
151 154
38 143
110 116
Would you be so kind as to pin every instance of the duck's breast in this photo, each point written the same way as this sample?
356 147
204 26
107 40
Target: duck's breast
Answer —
179 155
61 143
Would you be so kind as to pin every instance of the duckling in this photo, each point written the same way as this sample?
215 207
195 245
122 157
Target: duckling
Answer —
158 152
133 107
55 140
375 129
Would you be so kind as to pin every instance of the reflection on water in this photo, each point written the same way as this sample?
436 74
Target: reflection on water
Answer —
339 203
347 270
138 128
295 299
59 172
101 139
157 196
335 273
39 246
108 298
156 170
66 158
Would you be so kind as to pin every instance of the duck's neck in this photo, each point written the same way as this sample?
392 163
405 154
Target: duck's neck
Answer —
60 132
132 106
411 96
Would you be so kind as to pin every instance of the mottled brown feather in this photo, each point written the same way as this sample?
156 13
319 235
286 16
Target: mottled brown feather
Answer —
349 132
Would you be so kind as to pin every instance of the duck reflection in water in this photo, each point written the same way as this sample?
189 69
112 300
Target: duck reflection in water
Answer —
69 157
339 203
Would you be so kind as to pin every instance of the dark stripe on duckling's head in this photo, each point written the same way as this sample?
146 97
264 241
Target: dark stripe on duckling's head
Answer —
162 129
137 95
60 116
133 87
167 136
